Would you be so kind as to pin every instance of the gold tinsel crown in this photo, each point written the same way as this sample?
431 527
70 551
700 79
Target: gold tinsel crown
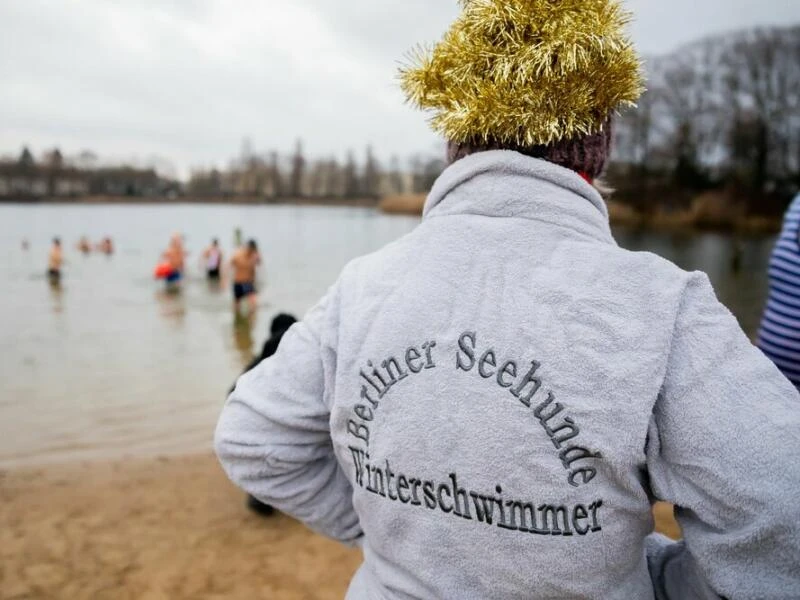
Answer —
527 72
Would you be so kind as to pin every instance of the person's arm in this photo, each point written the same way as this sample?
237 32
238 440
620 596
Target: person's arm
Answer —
273 437
724 447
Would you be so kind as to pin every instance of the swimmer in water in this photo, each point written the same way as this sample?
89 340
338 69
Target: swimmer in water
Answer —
212 260
84 245
54 262
106 246
245 261
175 255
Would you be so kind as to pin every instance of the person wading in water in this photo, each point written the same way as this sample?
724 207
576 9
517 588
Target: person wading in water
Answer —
212 259
175 256
54 262
490 405
245 261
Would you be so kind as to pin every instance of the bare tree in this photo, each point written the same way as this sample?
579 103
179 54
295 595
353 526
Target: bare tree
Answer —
336 179
86 160
26 158
275 177
298 172
316 177
395 177
722 112
350 176
763 77
371 179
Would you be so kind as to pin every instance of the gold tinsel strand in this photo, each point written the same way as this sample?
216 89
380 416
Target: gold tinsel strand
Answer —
526 72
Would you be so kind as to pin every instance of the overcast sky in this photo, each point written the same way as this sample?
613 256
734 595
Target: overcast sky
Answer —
187 80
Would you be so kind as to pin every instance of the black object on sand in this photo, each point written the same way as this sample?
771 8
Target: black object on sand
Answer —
280 325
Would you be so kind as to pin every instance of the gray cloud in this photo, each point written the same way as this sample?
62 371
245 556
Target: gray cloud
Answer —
188 79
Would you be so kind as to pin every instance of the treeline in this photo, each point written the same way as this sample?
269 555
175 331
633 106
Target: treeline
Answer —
715 137
54 176
273 175
721 115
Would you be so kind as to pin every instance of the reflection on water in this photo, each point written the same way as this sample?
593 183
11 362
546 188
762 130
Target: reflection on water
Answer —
172 303
56 294
110 363
215 286
243 335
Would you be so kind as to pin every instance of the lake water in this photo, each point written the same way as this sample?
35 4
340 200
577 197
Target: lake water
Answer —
110 365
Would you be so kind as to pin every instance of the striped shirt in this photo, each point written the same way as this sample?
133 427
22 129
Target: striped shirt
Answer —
779 336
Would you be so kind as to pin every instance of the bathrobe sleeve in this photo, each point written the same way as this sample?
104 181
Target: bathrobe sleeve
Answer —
273 437
724 447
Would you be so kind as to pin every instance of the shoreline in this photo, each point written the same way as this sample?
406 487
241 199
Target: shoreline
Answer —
620 215
692 220
161 527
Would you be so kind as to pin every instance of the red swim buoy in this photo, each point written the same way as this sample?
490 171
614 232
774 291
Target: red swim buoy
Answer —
162 270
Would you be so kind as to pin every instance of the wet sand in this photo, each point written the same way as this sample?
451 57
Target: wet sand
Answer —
161 528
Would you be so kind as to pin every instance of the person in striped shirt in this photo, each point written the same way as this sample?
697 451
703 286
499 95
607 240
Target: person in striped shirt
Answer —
779 335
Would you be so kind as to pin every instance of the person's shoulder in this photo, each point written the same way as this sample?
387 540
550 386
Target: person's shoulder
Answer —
395 253
655 264
642 272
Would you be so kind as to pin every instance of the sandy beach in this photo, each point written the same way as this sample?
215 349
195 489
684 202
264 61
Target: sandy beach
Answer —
155 529
160 528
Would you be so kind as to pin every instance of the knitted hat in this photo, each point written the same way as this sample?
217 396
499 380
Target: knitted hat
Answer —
542 77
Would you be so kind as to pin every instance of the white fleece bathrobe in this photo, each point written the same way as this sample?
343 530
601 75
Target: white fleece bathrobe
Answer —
490 405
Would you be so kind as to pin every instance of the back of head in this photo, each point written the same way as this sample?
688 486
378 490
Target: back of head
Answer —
281 323
252 246
538 77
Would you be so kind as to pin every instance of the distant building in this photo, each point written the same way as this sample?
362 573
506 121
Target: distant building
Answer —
27 180
125 181
24 179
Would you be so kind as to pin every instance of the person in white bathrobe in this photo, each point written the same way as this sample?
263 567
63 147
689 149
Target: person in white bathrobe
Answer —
490 405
